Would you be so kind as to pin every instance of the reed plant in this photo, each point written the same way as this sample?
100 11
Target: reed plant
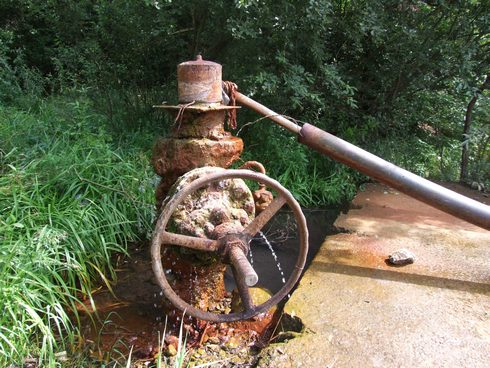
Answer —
70 197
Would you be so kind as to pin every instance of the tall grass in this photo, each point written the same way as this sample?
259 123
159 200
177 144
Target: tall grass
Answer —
69 198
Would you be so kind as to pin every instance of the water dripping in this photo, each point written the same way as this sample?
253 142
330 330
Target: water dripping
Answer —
191 282
274 255
251 257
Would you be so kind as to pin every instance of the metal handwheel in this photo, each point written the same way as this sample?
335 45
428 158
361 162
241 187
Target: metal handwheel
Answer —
232 247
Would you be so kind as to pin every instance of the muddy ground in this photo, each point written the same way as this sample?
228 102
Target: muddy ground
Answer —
134 314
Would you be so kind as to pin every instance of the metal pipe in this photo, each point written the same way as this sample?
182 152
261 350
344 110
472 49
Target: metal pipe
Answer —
268 113
243 267
385 172
406 182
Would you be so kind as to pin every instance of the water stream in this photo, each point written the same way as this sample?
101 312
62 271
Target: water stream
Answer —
274 250
274 255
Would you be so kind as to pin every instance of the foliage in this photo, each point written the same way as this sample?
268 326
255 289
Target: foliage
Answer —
69 199
393 76
355 68
479 141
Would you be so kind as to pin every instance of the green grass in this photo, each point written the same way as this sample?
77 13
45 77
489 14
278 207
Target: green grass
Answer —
313 179
69 198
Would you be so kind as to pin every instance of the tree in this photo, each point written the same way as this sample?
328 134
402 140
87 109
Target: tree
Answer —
355 68
465 152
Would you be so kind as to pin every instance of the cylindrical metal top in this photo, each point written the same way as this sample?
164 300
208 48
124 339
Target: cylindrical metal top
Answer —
199 81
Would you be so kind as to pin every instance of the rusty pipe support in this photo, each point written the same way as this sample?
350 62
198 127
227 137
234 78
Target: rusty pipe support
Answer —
385 172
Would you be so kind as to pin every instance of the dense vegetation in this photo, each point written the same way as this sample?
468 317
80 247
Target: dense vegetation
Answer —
407 80
69 198
382 74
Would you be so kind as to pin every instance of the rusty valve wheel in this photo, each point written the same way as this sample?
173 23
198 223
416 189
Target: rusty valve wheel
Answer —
233 247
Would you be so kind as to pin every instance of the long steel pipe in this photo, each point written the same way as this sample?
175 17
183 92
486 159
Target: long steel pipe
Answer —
268 113
385 172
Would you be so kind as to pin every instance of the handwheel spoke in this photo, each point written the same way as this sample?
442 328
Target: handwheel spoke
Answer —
243 290
229 247
264 217
189 241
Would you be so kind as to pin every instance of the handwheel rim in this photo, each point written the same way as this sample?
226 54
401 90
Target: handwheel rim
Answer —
169 209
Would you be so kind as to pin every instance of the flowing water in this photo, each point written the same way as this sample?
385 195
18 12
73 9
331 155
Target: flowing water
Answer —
274 255
274 250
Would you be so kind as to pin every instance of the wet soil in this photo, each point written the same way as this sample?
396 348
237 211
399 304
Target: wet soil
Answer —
133 314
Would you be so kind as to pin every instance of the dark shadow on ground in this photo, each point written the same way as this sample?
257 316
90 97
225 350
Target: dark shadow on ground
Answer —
410 278
281 233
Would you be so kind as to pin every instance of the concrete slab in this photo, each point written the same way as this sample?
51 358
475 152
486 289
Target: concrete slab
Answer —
358 311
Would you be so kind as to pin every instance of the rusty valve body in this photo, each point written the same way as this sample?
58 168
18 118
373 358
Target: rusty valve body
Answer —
230 246
210 224
198 137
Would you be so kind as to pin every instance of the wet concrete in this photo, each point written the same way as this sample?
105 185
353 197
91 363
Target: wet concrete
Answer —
358 311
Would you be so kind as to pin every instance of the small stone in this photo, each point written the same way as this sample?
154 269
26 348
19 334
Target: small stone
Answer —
232 343
213 347
171 340
171 351
401 257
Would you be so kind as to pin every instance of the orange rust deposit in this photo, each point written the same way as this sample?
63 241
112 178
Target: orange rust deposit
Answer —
137 315
174 157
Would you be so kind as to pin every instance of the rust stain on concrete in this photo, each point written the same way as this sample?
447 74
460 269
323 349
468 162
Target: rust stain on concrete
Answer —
362 312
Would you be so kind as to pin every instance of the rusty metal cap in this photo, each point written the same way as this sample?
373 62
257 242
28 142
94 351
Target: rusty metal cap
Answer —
200 87
199 81
200 62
